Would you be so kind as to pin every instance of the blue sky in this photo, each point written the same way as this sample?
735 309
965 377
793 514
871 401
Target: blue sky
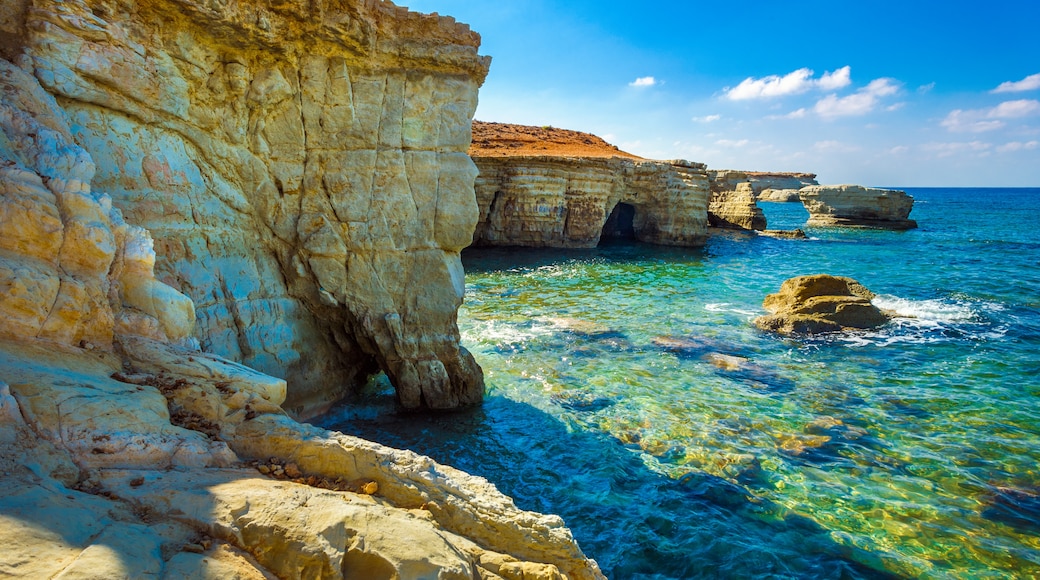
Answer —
896 93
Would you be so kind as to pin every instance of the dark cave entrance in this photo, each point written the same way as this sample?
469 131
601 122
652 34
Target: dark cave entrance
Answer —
620 225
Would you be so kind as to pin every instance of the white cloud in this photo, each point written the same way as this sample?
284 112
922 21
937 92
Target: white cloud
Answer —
707 118
792 83
895 107
732 143
949 149
898 150
1018 146
1030 83
796 114
960 121
925 88
861 102
1015 109
643 82
838 79
835 147
981 120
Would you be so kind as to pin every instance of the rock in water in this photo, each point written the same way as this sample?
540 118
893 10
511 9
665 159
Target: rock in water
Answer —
732 203
820 303
854 205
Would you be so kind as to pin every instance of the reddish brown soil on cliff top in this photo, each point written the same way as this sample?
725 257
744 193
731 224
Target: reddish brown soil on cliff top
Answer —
507 140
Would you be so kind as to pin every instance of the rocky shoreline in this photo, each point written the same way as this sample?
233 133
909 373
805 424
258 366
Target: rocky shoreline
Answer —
222 218
128 450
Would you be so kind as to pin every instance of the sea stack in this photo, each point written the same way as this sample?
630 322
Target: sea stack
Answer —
820 303
857 206
732 204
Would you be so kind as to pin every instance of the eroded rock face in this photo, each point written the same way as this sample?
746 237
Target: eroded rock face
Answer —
778 186
301 167
123 448
854 205
818 304
571 202
779 195
732 202
71 270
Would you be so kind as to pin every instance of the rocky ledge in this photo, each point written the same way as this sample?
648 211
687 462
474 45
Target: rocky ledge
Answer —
854 205
150 460
818 304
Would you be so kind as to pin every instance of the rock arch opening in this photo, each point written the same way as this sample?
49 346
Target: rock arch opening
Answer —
620 225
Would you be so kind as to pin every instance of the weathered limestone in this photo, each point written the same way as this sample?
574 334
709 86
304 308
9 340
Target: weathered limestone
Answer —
123 447
71 270
571 202
854 205
73 419
779 186
732 202
779 195
302 168
820 303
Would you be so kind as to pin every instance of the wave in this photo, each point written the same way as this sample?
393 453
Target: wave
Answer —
504 333
933 320
935 310
727 307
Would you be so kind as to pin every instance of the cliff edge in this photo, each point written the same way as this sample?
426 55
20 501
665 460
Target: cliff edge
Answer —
125 451
302 168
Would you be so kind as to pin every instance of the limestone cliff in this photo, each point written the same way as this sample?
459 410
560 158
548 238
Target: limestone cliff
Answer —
302 168
551 187
125 452
573 202
854 205
733 204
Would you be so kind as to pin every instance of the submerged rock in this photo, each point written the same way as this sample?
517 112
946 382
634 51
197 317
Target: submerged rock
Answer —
754 374
684 346
584 402
584 328
795 234
1014 506
818 304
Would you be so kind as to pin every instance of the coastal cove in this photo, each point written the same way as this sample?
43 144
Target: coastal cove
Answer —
629 393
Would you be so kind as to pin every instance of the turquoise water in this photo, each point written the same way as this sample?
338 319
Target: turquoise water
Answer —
911 451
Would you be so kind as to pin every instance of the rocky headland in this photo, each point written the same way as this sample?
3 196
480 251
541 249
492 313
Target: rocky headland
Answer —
857 206
284 186
548 187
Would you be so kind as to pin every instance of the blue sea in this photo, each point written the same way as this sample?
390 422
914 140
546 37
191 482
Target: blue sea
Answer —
912 451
